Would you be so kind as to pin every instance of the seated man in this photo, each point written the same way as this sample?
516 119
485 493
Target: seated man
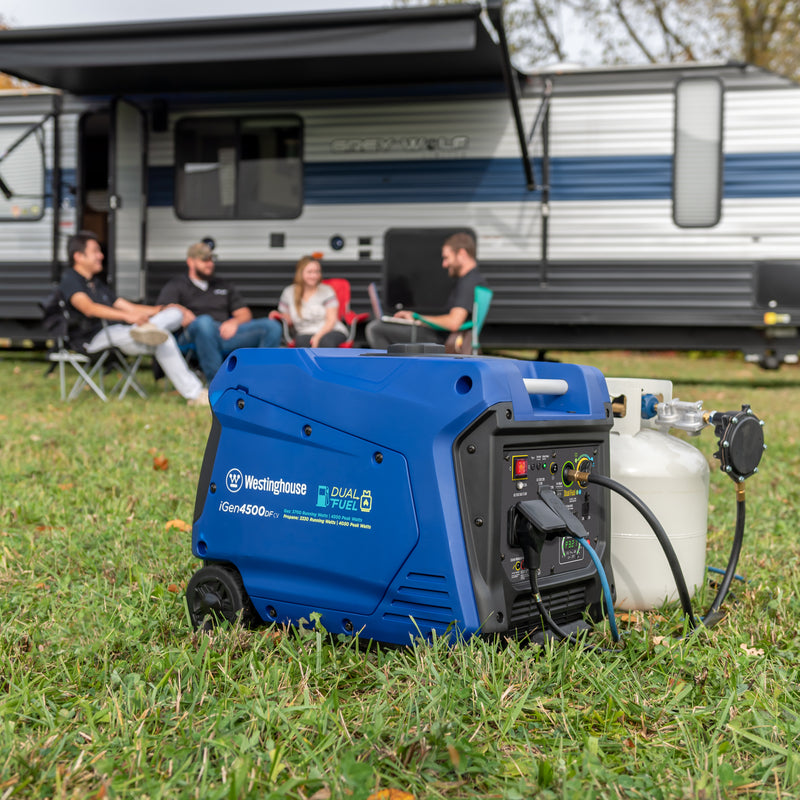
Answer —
138 326
215 318
458 258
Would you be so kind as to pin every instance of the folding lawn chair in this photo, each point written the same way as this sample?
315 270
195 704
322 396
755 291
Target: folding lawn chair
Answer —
347 316
91 367
482 299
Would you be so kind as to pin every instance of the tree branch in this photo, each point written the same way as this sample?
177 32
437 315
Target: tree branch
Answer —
623 18
669 33
541 14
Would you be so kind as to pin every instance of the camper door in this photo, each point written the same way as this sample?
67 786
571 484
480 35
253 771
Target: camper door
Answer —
27 214
127 200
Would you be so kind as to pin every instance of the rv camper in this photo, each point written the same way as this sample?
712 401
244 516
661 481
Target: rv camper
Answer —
653 208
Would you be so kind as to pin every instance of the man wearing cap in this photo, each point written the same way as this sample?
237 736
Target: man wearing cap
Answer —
215 318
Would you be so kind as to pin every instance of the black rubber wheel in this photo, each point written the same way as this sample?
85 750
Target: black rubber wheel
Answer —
216 594
769 361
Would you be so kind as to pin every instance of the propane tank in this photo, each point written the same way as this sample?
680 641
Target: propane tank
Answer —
671 478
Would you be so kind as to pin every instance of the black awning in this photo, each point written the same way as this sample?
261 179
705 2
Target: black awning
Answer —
434 44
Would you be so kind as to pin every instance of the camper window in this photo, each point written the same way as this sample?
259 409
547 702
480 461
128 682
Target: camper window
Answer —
697 170
239 168
22 171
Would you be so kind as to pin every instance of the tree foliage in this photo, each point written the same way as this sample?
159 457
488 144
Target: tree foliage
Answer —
594 32
760 32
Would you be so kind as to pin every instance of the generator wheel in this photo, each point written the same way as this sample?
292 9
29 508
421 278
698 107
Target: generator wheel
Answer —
216 594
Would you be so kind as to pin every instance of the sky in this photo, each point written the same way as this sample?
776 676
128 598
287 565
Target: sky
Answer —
35 13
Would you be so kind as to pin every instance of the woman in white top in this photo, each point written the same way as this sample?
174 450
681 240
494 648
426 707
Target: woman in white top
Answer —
312 307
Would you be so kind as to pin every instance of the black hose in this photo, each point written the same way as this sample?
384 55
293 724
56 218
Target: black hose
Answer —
661 535
733 560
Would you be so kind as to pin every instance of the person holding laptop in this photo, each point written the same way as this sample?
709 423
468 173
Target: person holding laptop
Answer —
459 259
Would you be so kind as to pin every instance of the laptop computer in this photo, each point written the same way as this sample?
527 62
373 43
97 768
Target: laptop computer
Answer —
377 308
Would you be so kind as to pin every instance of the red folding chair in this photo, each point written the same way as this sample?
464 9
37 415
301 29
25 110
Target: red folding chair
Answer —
349 317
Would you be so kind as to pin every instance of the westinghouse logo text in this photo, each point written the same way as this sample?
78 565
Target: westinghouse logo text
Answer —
235 481
275 487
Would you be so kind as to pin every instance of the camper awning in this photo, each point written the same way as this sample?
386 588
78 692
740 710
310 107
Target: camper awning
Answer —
413 45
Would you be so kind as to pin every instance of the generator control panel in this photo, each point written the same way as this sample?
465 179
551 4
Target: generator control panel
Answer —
526 471
501 465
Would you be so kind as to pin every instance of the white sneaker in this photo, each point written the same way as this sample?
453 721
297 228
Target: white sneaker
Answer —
149 334
200 400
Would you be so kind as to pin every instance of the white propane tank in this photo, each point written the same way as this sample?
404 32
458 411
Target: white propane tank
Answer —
671 478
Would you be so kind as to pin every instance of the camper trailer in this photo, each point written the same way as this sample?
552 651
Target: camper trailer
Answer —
650 208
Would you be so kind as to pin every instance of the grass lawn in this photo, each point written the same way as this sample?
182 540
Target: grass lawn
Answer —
105 690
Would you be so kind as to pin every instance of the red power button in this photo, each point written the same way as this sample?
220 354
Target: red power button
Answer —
519 467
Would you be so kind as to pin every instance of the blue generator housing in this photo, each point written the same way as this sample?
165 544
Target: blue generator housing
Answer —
378 491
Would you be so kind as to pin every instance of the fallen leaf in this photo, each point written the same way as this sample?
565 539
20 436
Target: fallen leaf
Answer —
160 462
179 524
321 794
66 486
751 651
455 756
701 677
100 794
391 794
174 588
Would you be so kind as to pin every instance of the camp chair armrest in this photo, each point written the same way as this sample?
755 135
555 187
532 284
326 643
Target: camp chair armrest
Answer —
465 327
351 317
286 322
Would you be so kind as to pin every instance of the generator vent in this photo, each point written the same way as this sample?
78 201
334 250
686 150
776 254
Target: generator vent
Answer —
423 597
563 604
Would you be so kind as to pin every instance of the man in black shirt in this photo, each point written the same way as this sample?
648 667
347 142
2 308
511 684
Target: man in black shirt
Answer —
135 327
215 317
458 258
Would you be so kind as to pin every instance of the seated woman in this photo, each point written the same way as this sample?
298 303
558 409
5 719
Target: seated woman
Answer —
312 307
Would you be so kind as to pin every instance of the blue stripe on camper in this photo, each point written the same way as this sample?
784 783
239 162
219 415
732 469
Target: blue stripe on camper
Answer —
762 175
501 180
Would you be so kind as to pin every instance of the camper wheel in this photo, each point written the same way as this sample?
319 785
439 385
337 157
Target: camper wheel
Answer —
216 594
769 361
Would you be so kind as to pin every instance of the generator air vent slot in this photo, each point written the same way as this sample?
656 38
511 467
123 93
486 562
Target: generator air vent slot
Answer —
425 577
424 597
568 603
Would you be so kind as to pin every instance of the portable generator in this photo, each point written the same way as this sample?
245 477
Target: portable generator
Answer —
389 493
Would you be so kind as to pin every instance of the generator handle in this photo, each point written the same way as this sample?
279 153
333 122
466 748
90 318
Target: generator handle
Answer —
545 386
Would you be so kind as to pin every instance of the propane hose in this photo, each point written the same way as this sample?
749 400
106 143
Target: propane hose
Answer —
712 616
658 530
741 445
